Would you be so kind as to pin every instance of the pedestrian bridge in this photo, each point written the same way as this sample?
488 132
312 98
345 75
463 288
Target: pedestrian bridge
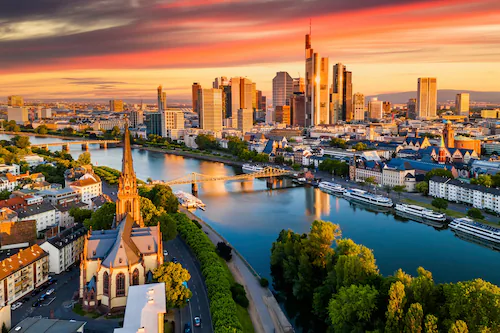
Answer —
85 144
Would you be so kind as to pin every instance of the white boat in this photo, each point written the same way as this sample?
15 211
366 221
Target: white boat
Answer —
420 212
480 230
188 200
333 188
251 168
366 197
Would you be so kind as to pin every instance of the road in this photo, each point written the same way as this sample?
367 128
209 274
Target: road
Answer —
199 304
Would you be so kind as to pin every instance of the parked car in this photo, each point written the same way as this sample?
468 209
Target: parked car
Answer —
41 298
50 292
52 281
197 321
36 304
174 260
16 306
187 328
165 252
35 292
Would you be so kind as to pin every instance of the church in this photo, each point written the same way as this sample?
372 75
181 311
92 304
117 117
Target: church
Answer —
112 260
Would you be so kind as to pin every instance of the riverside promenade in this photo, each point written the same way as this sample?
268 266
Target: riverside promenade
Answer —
264 310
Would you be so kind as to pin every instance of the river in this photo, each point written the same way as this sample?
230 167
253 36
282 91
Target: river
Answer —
250 217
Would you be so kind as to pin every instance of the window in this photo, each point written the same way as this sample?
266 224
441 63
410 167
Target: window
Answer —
120 285
106 283
135 277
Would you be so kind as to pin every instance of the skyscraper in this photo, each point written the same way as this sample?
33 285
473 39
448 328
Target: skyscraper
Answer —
426 97
375 109
116 105
282 114
245 120
162 99
359 107
172 123
227 108
462 104
211 109
15 101
412 108
219 81
136 118
254 95
298 109
298 85
153 121
341 99
241 93
195 88
316 87
282 89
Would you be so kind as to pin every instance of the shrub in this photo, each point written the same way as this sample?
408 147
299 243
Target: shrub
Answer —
264 282
224 251
239 295
475 213
197 223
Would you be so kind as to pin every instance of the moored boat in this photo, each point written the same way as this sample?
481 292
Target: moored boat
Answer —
188 200
251 168
422 212
366 197
330 187
468 226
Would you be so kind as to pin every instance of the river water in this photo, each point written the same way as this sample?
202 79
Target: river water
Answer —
250 217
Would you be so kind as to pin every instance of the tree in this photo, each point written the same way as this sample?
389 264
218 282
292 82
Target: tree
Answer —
4 195
21 141
475 213
168 227
205 142
395 307
422 187
351 309
496 180
224 251
42 129
459 327
84 159
370 180
399 189
279 159
102 219
440 203
438 172
162 196
174 276
149 180
320 240
360 146
484 180
431 324
150 214
413 319
4 328
339 168
115 132
80 215
338 143
239 295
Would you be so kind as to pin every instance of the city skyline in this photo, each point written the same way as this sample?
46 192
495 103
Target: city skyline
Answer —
58 51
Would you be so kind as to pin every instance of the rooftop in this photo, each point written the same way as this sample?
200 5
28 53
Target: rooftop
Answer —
22 259
34 210
42 325
67 236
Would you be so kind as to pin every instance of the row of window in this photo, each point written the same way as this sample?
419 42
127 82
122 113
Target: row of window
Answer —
120 282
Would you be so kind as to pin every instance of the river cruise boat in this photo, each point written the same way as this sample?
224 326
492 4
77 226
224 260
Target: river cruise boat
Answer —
188 200
366 197
251 168
438 225
332 188
422 212
471 227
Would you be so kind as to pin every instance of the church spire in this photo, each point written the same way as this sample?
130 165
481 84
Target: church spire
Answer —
127 164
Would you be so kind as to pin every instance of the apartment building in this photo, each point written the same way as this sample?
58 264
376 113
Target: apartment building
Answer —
89 186
64 249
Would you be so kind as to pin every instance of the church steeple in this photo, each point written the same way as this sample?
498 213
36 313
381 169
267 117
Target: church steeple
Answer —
128 201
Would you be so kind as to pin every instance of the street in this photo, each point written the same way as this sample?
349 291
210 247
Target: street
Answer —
199 304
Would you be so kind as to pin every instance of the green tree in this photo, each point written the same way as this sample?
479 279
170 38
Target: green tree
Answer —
80 215
422 187
4 195
440 203
360 146
395 308
496 180
484 180
162 196
42 129
459 327
355 264
338 143
431 322
150 214
399 189
173 275
115 132
370 180
84 159
102 219
475 213
413 319
438 172
339 168
351 309
21 141
205 142
168 227
320 241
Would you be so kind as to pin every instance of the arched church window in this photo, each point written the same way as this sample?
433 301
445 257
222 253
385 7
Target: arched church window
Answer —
105 281
120 285
128 206
135 277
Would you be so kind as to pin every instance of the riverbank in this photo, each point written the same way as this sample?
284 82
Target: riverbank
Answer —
45 135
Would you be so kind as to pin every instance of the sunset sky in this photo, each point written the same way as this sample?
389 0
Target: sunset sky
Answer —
101 49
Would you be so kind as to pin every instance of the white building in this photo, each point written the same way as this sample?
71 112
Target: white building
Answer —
60 196
33 160
18 114
89 186
44 214
108 125
13 169
8 182
172 121
64 249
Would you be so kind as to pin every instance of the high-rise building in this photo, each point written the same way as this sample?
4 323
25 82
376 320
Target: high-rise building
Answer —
298 109
341 99
162 99
245 120
227 108
211 109
258 94
282 114
136 118
462 104
196 87
263 102
411 108
172 123
375 109
241 93
18 114
116 105
316 87
426 97
282 89
359 107
219 81
298 85
254 95
44 113
15 101
153 121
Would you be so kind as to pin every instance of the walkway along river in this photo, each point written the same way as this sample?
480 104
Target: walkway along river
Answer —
250 217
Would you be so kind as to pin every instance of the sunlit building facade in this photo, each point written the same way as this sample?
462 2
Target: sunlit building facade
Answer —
211 110
426 98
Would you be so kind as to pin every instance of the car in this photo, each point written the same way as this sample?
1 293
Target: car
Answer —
52 281
35 292
187 328
16 306
49 292
36 304
197 321
165 252
41 298
174 260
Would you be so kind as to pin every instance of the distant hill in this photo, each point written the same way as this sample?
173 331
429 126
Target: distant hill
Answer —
443 96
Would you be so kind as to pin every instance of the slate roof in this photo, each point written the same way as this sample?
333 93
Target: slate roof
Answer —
439 179
67 236
20 260
44 325
34 210
269 147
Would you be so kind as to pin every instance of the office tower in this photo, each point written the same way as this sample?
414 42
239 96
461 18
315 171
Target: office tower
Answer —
162 99
44 113
153 121
341 99
359 107
298 85
211 109
254 96
227 109
241 93
316 87
411 106
387 107
116 105
136 118
426 97
172 123
196 87
219 81
216 83
282 89
17 114
462 104
263 102
298 109
245 120
283 115
375 109
15 101
258 94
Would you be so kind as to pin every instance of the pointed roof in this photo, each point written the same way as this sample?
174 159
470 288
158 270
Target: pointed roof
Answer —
441 145
127 163
124 251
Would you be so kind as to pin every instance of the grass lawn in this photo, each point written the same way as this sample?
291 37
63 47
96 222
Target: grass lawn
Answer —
77 308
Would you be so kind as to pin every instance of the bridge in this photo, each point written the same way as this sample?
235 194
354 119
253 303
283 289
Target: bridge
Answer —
195 178
85 144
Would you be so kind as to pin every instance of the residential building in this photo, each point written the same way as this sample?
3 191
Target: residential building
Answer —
462 104
298 109
18 114
45 325
316 87
375 109
13 169
195 90
89 186
153 123
136 118
145 309
64 249
60 196
411 106
63 217
298 85
283 115
245 120
341 100
116 105
211 109
44 214
173 123
8 182
494 114
44 113
15 233
426 98
22 272
162 99
15 101
282 89
358 107
125 256
109 124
